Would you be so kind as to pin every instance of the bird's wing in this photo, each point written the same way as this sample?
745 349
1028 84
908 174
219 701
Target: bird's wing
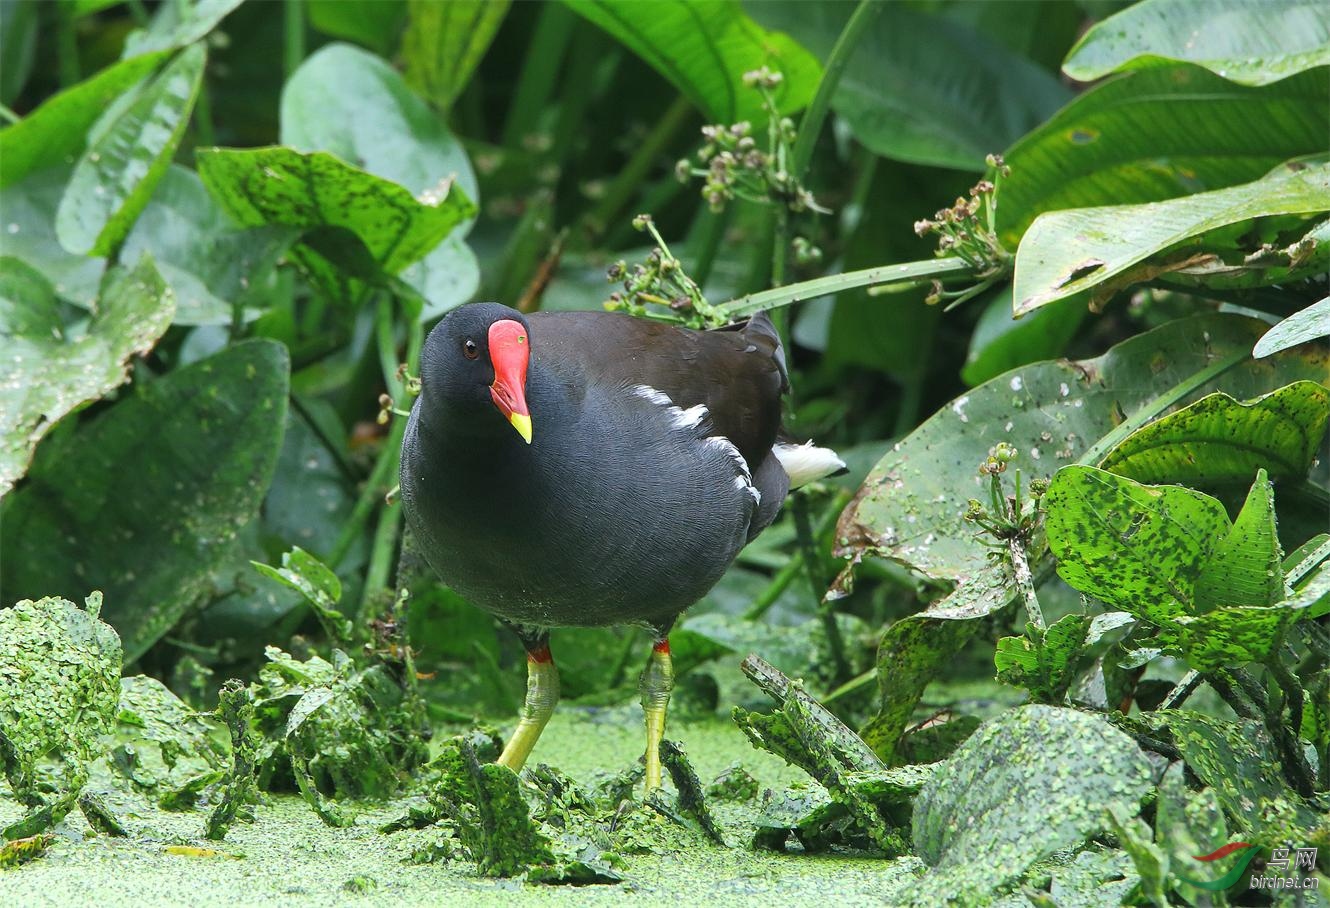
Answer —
737 374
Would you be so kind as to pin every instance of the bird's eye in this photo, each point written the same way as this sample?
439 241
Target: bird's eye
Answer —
470 350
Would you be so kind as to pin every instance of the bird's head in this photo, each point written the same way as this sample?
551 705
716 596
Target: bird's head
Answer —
474 364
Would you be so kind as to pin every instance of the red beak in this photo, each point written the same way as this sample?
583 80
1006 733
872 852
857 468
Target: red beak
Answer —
510 352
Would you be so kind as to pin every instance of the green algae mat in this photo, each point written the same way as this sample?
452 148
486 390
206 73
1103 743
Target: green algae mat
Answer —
323 782
287 856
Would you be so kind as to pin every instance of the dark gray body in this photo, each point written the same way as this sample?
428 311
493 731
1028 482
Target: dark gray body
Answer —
619 511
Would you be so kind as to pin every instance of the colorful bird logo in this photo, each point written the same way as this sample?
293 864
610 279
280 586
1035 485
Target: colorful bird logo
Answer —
1245 851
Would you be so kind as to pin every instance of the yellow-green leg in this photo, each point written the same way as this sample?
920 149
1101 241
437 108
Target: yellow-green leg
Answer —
542 693
655 686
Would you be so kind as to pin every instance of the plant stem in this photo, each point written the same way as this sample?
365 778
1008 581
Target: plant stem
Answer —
803 532
293 48
704 242
629 181
66 44
1182 690
779 583
1224 685
385 337
849 687
780 244
1020 568
810 127
8 115
203 117
785 576
1291 689
909 272
385 533
138 12
540 70
1244 695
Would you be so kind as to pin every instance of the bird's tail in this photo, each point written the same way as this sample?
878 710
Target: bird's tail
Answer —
806 462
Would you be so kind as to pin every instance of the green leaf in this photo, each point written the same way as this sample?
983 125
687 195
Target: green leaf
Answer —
57 128
803 732
1151 861
447 277
210 266
351 103
1095 877
48 376
1220 439
1156 134
177 24
1308 325
1035 780
312 495
1138 548
1249 43
1313 595
81 8
315 581
1043 660
1188 823
704 48
1104 249
1232 635
29 208
444 42
912 652
27 301
171 744
116 175
922 88
1237 760
278 185
372 23
1001 341
145 501
1308 556
1247 565
345 101
355 737
911 508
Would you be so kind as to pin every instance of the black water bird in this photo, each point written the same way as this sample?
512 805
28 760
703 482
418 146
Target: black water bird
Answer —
591 469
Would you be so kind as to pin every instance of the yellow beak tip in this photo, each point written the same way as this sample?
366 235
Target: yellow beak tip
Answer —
522 423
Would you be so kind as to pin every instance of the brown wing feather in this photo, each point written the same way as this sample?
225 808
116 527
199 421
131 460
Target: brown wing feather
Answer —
738 373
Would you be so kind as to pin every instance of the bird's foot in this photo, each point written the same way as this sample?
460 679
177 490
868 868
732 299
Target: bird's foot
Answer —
656 684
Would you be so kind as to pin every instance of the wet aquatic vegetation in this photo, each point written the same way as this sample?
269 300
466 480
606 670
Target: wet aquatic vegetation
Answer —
802 732
19 851
544 826
341 729
59 689
236 707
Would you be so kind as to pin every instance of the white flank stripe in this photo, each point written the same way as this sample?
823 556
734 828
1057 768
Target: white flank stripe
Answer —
744 481
646 392
679 417
690 418
805 463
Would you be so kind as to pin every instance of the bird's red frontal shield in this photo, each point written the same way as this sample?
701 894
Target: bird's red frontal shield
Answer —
510 352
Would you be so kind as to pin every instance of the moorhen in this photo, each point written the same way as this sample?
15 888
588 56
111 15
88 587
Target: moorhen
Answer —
590 469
